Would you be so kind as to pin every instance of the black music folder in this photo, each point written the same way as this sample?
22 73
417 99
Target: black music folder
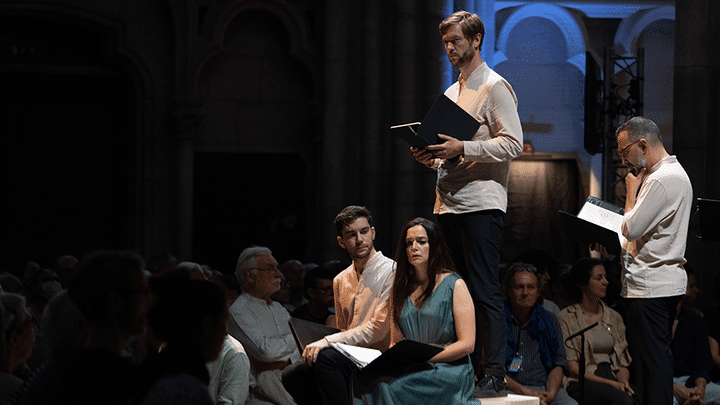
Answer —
598 222
445 117
372 363
404 353
306 332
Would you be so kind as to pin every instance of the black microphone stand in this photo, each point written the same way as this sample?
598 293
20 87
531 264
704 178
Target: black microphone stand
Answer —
581 371
581 379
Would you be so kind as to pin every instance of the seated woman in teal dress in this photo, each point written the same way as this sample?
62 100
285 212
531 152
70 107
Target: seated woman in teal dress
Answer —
431 304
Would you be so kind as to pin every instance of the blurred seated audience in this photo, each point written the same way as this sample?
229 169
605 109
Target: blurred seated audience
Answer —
193 270
606 352
231 284
161 263
535 351
18 331
294 272
230 374
43 285
11 283
27 269
690 347
110 290
712 317
318 286
66 334
63 267
188 317
282 296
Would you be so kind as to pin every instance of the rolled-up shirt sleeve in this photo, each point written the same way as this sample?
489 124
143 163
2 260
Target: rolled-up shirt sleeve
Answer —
649 210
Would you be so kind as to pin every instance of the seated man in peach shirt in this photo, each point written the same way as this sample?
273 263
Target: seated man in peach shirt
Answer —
362 308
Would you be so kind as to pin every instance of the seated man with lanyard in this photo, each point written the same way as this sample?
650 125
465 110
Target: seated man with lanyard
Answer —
535 353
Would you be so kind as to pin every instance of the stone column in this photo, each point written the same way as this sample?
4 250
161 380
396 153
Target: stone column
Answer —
696 122
187 118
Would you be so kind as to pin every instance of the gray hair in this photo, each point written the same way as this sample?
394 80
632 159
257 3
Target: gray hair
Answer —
63 326
640 128
515 268
14 312
194 270
247 260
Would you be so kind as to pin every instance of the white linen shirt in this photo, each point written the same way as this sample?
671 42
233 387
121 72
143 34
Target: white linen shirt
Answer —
263 329
362 304
654 234
229 374
478 180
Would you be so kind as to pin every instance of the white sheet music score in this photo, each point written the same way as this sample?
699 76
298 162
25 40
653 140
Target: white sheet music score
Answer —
601 216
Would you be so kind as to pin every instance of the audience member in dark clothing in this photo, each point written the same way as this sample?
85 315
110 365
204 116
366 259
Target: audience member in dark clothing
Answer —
712 317
691 352
63 267
66 334
43 284
318 285
189 319
110 290
11 283
18 331
692 360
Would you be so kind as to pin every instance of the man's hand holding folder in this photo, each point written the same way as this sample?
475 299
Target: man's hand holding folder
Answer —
447 150
423 156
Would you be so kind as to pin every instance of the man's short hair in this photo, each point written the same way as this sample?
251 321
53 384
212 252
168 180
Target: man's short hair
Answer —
247 260
312 276
14 313
349 215
62 325
640 128
470 25
515 268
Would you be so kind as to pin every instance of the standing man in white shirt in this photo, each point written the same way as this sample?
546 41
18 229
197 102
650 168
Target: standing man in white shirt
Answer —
655 227
471 191
261 326
362 307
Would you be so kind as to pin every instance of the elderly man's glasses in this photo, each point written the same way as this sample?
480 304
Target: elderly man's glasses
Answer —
625 149
268 269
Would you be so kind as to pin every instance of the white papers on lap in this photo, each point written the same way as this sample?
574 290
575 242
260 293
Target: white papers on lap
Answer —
359 355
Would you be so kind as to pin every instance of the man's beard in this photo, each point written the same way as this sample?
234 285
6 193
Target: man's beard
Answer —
635 170
464 58
361 254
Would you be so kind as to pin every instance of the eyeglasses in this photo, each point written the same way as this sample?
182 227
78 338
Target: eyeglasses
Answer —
623 150
268 269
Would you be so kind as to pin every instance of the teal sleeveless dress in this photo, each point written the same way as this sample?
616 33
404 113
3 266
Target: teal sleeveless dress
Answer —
431 383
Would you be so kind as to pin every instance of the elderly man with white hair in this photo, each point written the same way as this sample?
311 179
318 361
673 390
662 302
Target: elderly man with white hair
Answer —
261 325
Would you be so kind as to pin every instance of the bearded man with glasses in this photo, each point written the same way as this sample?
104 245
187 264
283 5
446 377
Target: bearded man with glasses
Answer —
654 236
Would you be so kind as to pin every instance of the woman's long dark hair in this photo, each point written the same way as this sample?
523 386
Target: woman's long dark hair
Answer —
405 279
